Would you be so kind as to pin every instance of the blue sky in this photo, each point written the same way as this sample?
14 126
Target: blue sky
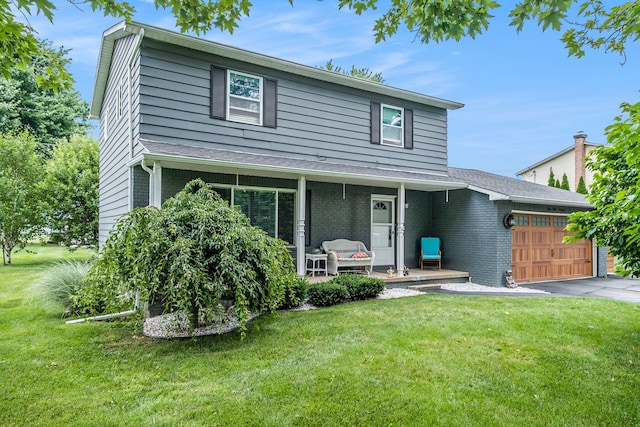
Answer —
524 97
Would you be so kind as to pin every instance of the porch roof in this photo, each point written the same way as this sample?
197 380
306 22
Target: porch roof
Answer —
227 161
499 187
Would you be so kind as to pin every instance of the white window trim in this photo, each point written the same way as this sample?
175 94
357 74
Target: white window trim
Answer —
382 125
229 96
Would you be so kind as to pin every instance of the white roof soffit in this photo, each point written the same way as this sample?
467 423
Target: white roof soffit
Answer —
168 160
124 29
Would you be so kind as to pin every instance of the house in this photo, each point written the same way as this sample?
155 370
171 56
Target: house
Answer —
571 161
309 155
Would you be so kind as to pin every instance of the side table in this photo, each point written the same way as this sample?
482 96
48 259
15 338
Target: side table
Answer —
318 263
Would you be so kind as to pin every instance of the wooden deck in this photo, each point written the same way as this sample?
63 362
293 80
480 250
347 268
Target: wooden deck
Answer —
416 277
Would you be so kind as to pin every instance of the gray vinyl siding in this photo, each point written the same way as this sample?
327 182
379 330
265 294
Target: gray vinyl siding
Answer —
114 144
315 120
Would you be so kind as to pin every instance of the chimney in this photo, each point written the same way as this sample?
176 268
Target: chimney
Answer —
579 154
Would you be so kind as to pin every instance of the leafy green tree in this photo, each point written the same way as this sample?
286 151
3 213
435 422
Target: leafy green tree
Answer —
361 73
552 179
582 187
565 183
191 255
21 205
591 24
27 105
615 193
71 187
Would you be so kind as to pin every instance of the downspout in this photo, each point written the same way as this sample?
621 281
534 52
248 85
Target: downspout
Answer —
136 307
102 317
151 173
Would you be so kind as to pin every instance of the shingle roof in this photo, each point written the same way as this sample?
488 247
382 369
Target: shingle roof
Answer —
296 166
500 187
553 156
124 29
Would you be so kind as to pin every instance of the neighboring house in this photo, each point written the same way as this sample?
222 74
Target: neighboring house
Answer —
310 155
571 161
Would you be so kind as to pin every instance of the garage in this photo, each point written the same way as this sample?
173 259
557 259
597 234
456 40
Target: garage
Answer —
537 251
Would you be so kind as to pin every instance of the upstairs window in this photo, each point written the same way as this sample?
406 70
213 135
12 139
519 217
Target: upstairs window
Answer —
392 125
245 98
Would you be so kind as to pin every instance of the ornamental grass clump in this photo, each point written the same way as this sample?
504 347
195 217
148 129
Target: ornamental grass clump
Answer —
61 282
191 256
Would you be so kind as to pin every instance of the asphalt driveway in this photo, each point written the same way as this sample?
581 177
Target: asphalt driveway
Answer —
611 287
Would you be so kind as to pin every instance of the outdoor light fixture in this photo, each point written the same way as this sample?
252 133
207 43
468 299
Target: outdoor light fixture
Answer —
509 220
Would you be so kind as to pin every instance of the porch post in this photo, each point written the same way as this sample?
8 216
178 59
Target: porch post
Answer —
400 231
157 184
300 240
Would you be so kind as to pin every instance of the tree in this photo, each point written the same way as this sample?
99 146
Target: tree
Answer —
582 187
615 193
21 205
27 105
361 73
71 186
552 179
565 183
191 255
592 24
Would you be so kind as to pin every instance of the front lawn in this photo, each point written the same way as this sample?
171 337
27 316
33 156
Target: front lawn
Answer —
415 361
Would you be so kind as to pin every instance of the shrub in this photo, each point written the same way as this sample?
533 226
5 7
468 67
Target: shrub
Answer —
360 287
61 283
295 292
189 255
328 293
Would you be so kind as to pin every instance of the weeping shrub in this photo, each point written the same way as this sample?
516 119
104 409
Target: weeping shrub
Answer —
190 255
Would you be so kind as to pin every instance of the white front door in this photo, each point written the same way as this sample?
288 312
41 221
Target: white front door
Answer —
383 226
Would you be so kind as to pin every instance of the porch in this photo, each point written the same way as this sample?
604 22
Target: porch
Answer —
417 279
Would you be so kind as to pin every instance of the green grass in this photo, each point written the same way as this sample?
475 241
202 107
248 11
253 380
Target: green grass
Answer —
417 361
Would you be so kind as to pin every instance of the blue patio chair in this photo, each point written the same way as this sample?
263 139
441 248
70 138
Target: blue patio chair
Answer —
430 252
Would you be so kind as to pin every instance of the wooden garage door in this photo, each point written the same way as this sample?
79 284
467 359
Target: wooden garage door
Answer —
537 251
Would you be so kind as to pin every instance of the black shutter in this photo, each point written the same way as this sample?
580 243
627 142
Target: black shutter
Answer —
218 93
375 122
408 129
270 107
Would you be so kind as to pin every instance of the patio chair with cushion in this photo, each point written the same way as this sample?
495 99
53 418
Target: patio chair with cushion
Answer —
430 252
